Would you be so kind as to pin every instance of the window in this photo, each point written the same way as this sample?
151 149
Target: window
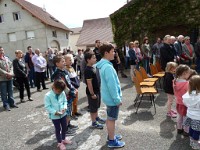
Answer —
30 34
12 37
54 34
67 36
1 19
16 16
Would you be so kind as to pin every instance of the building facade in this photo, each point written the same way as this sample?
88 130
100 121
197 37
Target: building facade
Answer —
23 24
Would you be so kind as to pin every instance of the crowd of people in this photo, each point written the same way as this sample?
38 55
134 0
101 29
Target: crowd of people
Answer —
98 69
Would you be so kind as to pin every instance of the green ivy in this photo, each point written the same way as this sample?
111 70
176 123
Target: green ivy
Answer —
144 17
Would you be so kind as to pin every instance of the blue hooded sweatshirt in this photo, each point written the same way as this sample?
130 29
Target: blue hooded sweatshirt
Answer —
110 86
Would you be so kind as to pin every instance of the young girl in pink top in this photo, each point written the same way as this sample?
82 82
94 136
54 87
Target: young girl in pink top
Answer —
180 85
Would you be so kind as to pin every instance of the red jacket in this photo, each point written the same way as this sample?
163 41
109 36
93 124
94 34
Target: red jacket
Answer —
180 88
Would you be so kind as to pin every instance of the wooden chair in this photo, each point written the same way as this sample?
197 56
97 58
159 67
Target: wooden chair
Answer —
141 80
155 73
141 91
158 67
145 76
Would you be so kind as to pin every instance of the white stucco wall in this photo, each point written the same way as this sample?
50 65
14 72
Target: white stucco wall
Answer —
73 38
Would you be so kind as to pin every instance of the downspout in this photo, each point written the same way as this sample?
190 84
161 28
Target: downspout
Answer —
46 36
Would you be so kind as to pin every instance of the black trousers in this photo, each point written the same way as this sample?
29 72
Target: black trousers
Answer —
40 78
23 81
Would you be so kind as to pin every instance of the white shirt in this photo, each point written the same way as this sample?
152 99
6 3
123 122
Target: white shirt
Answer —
39 63
192 101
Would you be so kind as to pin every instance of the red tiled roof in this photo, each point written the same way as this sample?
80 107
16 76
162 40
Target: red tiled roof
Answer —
40 14
95 29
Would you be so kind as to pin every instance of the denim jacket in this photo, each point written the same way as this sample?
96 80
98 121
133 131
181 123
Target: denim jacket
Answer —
54 102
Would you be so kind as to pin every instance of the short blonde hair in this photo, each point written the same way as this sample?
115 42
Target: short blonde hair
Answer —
18 51
170 65
69 56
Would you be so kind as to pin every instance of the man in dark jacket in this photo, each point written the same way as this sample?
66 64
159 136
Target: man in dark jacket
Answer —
167 53
96 50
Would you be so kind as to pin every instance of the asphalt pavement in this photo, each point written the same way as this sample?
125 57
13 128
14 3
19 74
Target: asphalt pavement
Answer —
28 127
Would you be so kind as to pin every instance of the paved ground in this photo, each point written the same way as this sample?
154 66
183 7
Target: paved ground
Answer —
28 127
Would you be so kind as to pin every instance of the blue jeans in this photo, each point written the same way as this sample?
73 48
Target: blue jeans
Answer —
146 65
7 93
198 65
112 112
31 77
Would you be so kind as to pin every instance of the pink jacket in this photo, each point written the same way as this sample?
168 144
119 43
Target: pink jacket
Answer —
180 88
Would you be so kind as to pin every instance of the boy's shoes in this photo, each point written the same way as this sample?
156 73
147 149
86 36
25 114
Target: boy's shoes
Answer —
66 141
171 114
45 88
78 114
97 125
70 132
115 143
179 131
101 121
72 127
117 137
14 106
61 146
7 108
74 117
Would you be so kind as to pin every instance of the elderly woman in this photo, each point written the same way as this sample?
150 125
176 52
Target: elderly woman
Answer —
188 51
6 81
21 75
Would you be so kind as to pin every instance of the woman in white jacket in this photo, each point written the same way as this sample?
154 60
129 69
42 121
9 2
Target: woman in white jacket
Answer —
192 100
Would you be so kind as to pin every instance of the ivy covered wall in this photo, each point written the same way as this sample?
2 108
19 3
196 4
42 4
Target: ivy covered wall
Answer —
153 18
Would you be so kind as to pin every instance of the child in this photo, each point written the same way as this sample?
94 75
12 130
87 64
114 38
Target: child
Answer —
192 100
180 85
110 92
70 91
167 83
56 105
92 90
74 81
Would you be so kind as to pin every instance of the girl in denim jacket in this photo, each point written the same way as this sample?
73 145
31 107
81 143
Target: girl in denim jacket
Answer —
56 105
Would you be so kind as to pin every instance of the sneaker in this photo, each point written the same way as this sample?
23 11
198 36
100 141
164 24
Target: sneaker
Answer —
115 144
101 121
14 106
73 127
174 112
170 114
118 137
7 108
70 132
66 141
179 131
97 125
61 146
74 117
78 114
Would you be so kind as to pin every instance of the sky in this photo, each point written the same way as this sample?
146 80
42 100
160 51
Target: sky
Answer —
72 13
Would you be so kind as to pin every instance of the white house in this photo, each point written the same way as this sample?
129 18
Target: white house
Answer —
73 38
23 24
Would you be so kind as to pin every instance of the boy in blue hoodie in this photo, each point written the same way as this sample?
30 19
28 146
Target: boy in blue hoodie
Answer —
110 93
